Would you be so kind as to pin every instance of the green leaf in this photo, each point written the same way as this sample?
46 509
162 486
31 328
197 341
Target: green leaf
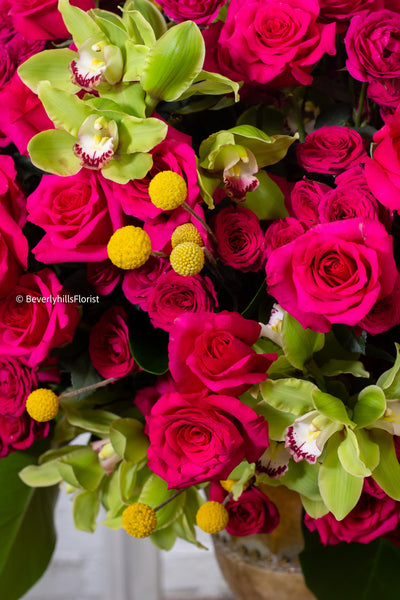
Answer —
135 58
349 340
336 367
111 497
49 65
289 395
331 407
81 469
266 118
52 151
267 201
127 479
79 23
278 421
140 135
128 97
41 475
340 491
349 456
66 111
350 571
164 538
144 338
150 13
83 374
128 439
370 406
299 344
369 450
26 528
315 508
154 492
94 420
128 167
173 62
387 473
85 509
389 381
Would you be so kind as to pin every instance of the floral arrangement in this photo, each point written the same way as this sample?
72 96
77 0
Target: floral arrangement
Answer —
199 249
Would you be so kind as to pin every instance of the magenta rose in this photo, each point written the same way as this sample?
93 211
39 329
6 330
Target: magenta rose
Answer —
214 350
385 313
240 238
146 397
305 198
343 10
109 344
276 43
138 283
352 198
16 383
41 20
174 295
13 252
386 93
252 513
373 45
383 169
19 433
11 196
23 115
281 232
333 273
331 150
79 215
34 318
201 439
103 276
372 517
201 12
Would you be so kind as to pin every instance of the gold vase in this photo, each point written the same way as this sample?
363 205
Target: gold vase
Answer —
266 566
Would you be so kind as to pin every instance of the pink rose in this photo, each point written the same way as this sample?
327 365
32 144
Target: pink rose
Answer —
146 397
174 295
383 170
16 383
215 351
276 43
386 93
109 344
331 150
19 433
305 198
103 276
13 252
352 198
201 12
332 273
169 155
373 45
11 196
23 115
372 517
41 20
281 232
138 283
385 313
343 10
252 513
240 238
202 439
31 328
78 213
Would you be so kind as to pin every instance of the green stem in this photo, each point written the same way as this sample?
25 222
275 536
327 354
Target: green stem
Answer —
196 216
151 104
298 117
88 388
171 498
361 100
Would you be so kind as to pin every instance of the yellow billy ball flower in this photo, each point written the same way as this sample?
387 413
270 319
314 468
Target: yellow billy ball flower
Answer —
167 190
186 233
139 520
187 258
228 484
42 405
129 247
212 517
